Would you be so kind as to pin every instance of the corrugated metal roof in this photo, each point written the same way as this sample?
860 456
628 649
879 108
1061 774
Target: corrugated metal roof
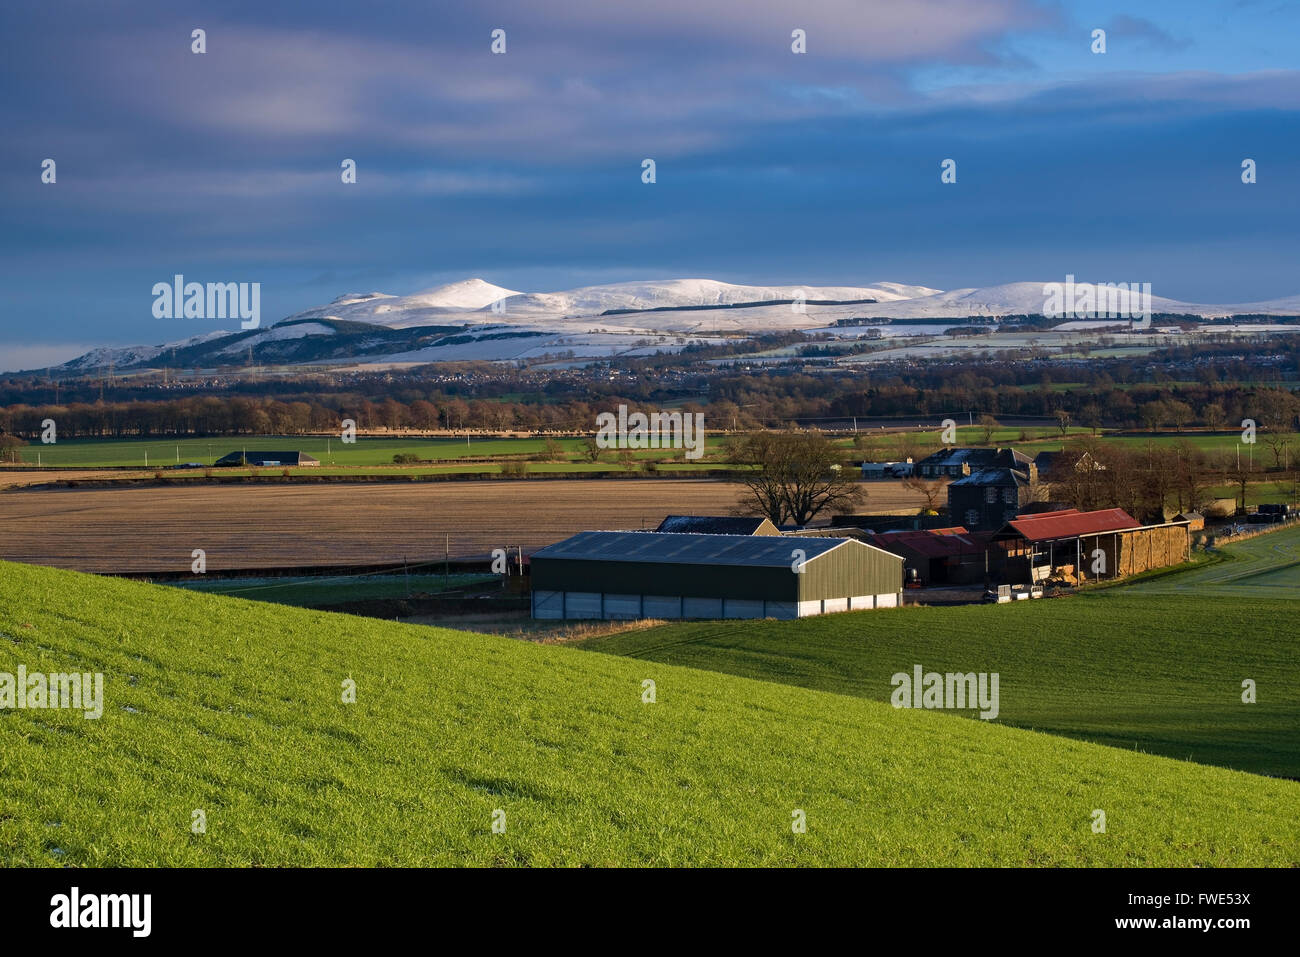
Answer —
713 524
682 548
1055 525
257 456
934 543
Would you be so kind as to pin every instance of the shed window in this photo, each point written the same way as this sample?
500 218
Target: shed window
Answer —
991 495
1009 496
972 517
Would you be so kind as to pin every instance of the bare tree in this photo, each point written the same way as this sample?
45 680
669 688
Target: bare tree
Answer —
1063 420
795 476
932 490
988 425
591 448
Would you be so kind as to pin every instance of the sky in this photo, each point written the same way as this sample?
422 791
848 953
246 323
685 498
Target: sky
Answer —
525 167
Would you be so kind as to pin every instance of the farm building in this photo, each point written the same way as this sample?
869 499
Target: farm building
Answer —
717 525
940 555
1079 546
886 470
681 575
267 458
1056 466
954 463
1195 520
987 499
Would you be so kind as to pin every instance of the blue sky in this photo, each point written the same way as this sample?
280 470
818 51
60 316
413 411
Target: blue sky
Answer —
524 168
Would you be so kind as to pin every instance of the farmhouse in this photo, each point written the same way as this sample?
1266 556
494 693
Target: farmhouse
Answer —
954 463
1056 466
718 525
987 499
266 458
630 575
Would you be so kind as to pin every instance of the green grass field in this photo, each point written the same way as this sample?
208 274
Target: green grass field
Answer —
1134 667
317 591
94 453
234 708
1266 567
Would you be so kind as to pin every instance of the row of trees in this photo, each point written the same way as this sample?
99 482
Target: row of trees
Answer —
1146 482
211 415
759 404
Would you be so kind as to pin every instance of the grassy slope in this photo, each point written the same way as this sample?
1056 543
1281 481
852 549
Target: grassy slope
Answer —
1157 673
235 709
1265 566
319 591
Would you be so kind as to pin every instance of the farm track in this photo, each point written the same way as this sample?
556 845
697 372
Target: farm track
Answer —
155 529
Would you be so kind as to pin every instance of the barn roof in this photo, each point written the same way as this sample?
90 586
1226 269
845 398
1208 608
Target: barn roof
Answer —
716 525
762 551
1050 526
253 456
934 543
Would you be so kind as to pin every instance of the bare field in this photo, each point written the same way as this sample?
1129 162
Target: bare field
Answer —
155 529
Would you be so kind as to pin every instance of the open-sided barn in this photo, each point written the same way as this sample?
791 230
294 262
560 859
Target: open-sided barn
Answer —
681 575
1104 544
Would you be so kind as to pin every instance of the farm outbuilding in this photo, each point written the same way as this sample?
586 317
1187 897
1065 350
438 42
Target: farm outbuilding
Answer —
718 525
257 458
680 575
1108 543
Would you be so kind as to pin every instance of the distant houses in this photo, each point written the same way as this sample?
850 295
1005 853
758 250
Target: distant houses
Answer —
267 459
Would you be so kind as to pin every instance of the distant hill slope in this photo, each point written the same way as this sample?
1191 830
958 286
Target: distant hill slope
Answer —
598 321
233 708
1153 673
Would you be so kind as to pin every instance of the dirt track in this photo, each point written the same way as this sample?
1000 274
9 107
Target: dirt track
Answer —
155 529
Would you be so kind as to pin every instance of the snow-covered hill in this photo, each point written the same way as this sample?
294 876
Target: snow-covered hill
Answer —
668 293
638 315
121 357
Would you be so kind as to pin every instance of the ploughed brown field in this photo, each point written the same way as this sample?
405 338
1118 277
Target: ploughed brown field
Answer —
156 529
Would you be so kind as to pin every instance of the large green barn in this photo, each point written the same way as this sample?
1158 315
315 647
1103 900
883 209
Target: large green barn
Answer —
674 575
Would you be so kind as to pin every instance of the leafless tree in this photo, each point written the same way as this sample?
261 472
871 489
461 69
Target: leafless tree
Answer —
795 476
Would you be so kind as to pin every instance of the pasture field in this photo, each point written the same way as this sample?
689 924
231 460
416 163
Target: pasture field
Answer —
367 450
1044 439
235 709
1266 567
1134 668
